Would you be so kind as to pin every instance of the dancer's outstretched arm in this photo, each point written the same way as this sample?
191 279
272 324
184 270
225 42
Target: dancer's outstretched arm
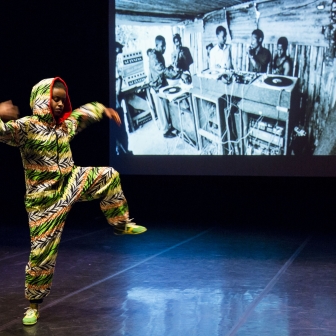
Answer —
12 129
88 114
112 114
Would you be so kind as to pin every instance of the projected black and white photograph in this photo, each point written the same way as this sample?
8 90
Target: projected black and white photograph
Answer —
225 77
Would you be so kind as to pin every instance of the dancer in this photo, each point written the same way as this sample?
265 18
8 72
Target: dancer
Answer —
53 182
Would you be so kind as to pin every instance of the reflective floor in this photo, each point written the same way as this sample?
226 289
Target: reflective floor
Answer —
176 280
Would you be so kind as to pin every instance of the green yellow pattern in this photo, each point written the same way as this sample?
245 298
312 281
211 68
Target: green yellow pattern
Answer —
54 183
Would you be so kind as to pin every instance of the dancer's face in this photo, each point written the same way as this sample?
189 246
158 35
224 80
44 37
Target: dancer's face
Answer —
57 102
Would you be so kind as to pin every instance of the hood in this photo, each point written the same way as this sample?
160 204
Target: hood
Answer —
40 98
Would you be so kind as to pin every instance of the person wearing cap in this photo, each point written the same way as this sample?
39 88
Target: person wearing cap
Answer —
181 56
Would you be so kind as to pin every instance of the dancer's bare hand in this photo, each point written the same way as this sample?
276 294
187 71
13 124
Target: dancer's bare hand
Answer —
8 111
112 114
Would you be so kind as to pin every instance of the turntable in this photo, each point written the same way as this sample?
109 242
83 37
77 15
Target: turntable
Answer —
171 92
212 73
244 77
276 82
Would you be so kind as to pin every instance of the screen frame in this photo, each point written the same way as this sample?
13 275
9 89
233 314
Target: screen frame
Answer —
212 165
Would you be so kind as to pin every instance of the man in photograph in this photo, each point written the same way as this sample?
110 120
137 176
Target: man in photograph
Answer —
158 74
282 64
181 56
259 57
208 49
120 143
220 54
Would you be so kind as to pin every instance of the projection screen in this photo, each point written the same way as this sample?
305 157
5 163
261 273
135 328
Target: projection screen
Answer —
227 88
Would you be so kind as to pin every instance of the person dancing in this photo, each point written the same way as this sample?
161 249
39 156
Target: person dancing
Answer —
53 182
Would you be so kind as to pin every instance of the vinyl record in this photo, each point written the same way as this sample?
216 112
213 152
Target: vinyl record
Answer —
172 90
278 81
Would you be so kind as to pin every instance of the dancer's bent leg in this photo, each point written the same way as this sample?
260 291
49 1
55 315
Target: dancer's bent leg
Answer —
47 214
105 185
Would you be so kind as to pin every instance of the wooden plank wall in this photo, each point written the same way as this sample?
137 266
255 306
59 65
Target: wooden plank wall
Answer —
299 20
193 33
304 26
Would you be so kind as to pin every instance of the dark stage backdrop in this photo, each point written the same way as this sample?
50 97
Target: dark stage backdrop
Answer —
42 39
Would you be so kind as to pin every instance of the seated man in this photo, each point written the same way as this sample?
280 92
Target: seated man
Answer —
220 54
282 64
259 57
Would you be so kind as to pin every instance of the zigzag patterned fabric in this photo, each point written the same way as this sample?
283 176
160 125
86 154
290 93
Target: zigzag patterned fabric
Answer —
54 183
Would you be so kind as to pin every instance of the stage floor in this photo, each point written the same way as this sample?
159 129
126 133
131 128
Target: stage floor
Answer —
175 280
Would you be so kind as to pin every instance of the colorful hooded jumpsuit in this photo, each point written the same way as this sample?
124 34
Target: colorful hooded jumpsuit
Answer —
54 183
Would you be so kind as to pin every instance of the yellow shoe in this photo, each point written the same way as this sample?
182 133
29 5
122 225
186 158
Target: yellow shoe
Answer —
31 316
129 228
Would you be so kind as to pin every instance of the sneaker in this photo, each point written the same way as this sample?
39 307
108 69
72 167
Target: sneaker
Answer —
31 316
129 228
